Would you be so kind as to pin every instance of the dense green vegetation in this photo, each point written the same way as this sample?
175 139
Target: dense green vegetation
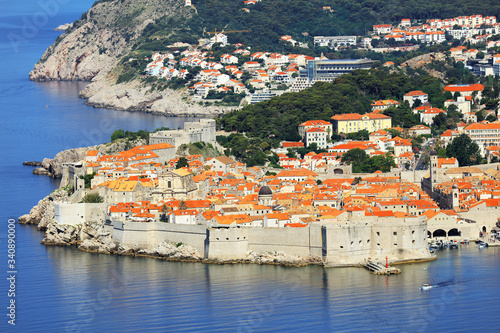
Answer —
253 151
278 118
271 19
181 163
132 136
464 150
362 163
92 198
88 178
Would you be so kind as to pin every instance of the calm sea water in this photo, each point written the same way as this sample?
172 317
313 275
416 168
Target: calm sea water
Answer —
63 290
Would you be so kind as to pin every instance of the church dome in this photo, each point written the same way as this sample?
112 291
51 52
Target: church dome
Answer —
265 190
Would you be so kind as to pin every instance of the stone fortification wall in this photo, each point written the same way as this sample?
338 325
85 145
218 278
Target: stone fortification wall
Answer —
413 176
74 214
338 244
204 130
292 241
484 217
349 244
149 235
226 243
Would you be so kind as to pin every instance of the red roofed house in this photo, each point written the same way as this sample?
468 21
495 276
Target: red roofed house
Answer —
382 29
484 135
427 117
354 122
466 89
286 144
383 104
92 156
448 136
419 130
380 134
276 220
446 163
299 175
316 135
315 123
412 96
187 216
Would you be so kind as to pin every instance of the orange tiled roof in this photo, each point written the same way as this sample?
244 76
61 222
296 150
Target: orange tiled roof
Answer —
357 116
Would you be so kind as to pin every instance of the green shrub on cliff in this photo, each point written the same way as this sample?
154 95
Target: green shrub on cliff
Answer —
92 198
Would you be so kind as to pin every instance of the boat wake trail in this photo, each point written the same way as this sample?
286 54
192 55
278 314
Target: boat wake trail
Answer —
448 283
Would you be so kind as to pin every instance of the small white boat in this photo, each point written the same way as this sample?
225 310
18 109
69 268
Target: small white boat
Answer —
426 286
482 245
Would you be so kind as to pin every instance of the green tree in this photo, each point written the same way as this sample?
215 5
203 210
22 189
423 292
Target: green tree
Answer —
118 134
359 135
164 211
356 157
92 198
464 150
291 153
181 163
383 163
88 178
491 118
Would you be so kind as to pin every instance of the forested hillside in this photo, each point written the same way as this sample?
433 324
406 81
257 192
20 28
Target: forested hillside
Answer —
270 19
279 117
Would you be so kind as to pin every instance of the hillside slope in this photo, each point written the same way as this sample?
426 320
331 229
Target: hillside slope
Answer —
101 36
104 41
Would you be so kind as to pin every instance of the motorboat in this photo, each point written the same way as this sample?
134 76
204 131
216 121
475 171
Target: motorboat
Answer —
465 241
426 286
482 245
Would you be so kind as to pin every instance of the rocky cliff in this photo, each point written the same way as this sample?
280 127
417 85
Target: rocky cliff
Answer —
43 213
93 45
91 50
134 96
53 166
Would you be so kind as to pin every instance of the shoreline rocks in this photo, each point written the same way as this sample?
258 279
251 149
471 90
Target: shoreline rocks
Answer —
42 214
93 238
40 171
137 97
53 166
64 27
32 163
92 49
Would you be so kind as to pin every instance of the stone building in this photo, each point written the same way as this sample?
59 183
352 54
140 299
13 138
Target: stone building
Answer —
203 131
265 196
177 184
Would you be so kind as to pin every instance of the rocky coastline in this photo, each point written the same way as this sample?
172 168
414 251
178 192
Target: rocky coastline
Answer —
135 96
90 49
53 166
94 238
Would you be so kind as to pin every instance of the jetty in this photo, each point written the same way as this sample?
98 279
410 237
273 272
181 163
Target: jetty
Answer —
379 269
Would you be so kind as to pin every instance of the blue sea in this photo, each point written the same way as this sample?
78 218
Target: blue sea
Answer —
64 290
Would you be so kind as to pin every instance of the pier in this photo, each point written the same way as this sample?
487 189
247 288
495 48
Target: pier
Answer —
380 269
